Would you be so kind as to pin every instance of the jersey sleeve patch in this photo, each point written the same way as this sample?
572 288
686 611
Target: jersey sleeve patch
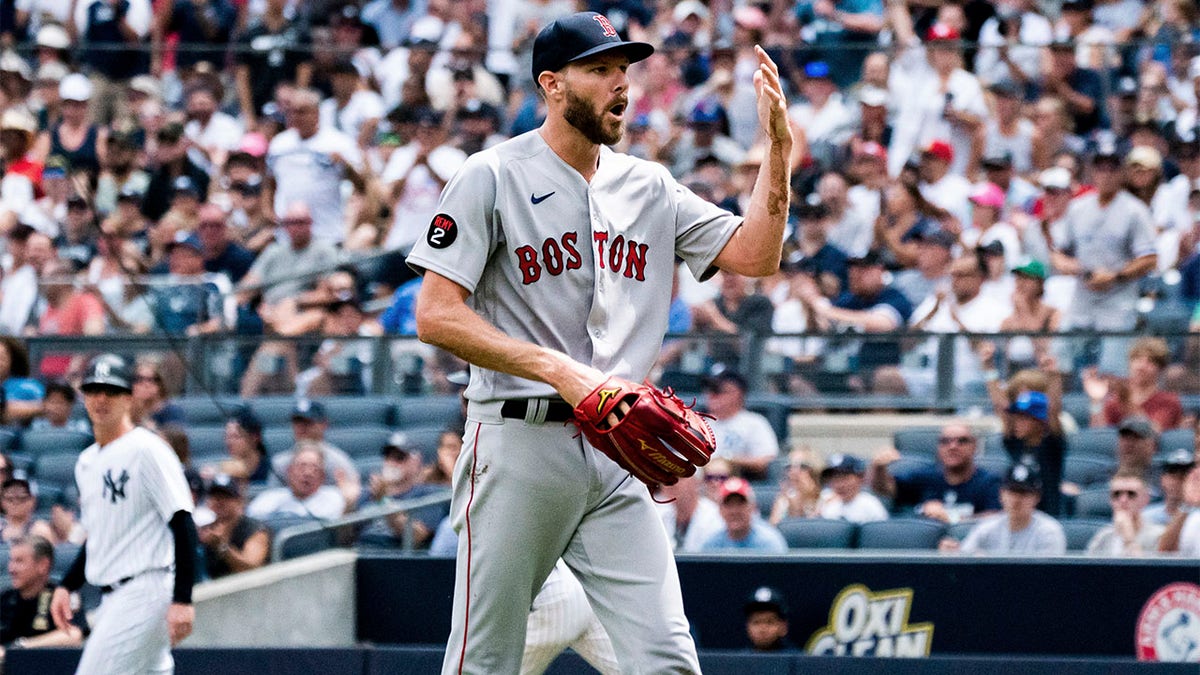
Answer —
442 232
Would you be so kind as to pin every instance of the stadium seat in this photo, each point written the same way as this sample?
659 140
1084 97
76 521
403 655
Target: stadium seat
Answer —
818 533
278 439
359 441
47 495
424 440
274 411
35 442
1087 470
56 468
993 444
1093 503
777 469
1173 439
911 464
368 465
359 411
8 440
901 533
917 441
682 382
1077 405
203 410
997 464
206 442
1097 442
428 411
771 406
1080 531
764 494
307 544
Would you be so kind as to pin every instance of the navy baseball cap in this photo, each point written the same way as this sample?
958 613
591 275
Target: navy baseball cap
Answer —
579 36
766 599
108 371
307 409
1023 477
842 463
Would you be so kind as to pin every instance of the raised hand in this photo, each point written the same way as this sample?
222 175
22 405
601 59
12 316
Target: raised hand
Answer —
772 106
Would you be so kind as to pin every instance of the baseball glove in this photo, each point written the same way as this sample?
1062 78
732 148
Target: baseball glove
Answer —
657 438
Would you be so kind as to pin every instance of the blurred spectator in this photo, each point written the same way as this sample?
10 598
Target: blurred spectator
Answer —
57 406
272 50
1183 532
987 225
67 311
22 181
956 490
1092 42
744 528
203 26
173 174
19 520
398 479
248 459
931 275
906 215
106 25
1053 132
189 300
1019 194
305 494
1131 533
1137 443
392 19
706 135
1030 313
1021 529
845 225
23 395
868 305
1033 431
822 113
414 178
809 246
744 437
767 621
943 187
842 497
688 515
353 109
341 366
250 216
736 311
941 101
75 136
799 491
1174 469
1010 41
152 405
25 619
477 127
76 243
965 309
1080 89
233 542
222 255
1007 133
210 130
868 173
307 164
309 424
1113 400
30 251
1109 243
441 472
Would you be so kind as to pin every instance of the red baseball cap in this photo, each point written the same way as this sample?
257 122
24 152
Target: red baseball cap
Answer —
940 32
871 149
736 486
940 149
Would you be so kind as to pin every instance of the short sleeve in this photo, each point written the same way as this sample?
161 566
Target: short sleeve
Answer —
163 475
1142 234
701 228
461 237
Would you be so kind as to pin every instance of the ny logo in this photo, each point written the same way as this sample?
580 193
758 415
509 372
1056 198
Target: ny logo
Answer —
103 369
115 489
609 31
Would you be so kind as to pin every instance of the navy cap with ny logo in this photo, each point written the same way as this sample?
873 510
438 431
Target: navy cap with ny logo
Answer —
579 36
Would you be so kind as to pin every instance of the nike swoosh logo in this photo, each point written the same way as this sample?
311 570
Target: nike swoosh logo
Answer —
539 200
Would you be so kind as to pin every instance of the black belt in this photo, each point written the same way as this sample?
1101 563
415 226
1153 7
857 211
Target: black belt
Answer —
557 410
105 590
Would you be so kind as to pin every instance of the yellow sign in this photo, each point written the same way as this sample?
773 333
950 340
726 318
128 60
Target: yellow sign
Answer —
865 623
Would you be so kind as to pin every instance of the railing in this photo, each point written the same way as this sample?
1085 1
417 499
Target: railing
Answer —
364 515
912 370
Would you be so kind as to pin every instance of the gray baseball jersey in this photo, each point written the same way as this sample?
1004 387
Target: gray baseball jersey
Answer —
540 248
128 491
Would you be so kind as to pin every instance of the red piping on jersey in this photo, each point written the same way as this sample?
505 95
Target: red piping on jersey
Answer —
462 656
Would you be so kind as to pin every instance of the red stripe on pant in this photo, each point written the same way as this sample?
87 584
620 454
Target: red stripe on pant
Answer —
462 656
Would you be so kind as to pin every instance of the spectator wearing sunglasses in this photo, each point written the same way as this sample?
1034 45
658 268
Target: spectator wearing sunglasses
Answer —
954 491
1131 533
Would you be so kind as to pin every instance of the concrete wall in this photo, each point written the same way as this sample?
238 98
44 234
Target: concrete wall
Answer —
306 602
862 434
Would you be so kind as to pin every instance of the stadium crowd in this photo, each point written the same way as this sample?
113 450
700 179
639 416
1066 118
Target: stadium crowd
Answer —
262 167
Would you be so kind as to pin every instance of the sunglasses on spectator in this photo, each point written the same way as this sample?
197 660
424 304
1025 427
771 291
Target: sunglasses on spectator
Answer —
1117 494
146 378
716 477
947 440
16 497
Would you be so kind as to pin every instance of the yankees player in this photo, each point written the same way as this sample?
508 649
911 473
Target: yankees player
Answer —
548 267
134 501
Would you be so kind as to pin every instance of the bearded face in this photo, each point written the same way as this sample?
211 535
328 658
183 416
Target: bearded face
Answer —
603 126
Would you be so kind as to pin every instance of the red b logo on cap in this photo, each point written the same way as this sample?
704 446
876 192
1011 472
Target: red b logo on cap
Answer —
609 31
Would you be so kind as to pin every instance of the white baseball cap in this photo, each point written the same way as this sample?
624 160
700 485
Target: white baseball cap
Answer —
53 36
1194 68
1055 178
689 7
75 87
